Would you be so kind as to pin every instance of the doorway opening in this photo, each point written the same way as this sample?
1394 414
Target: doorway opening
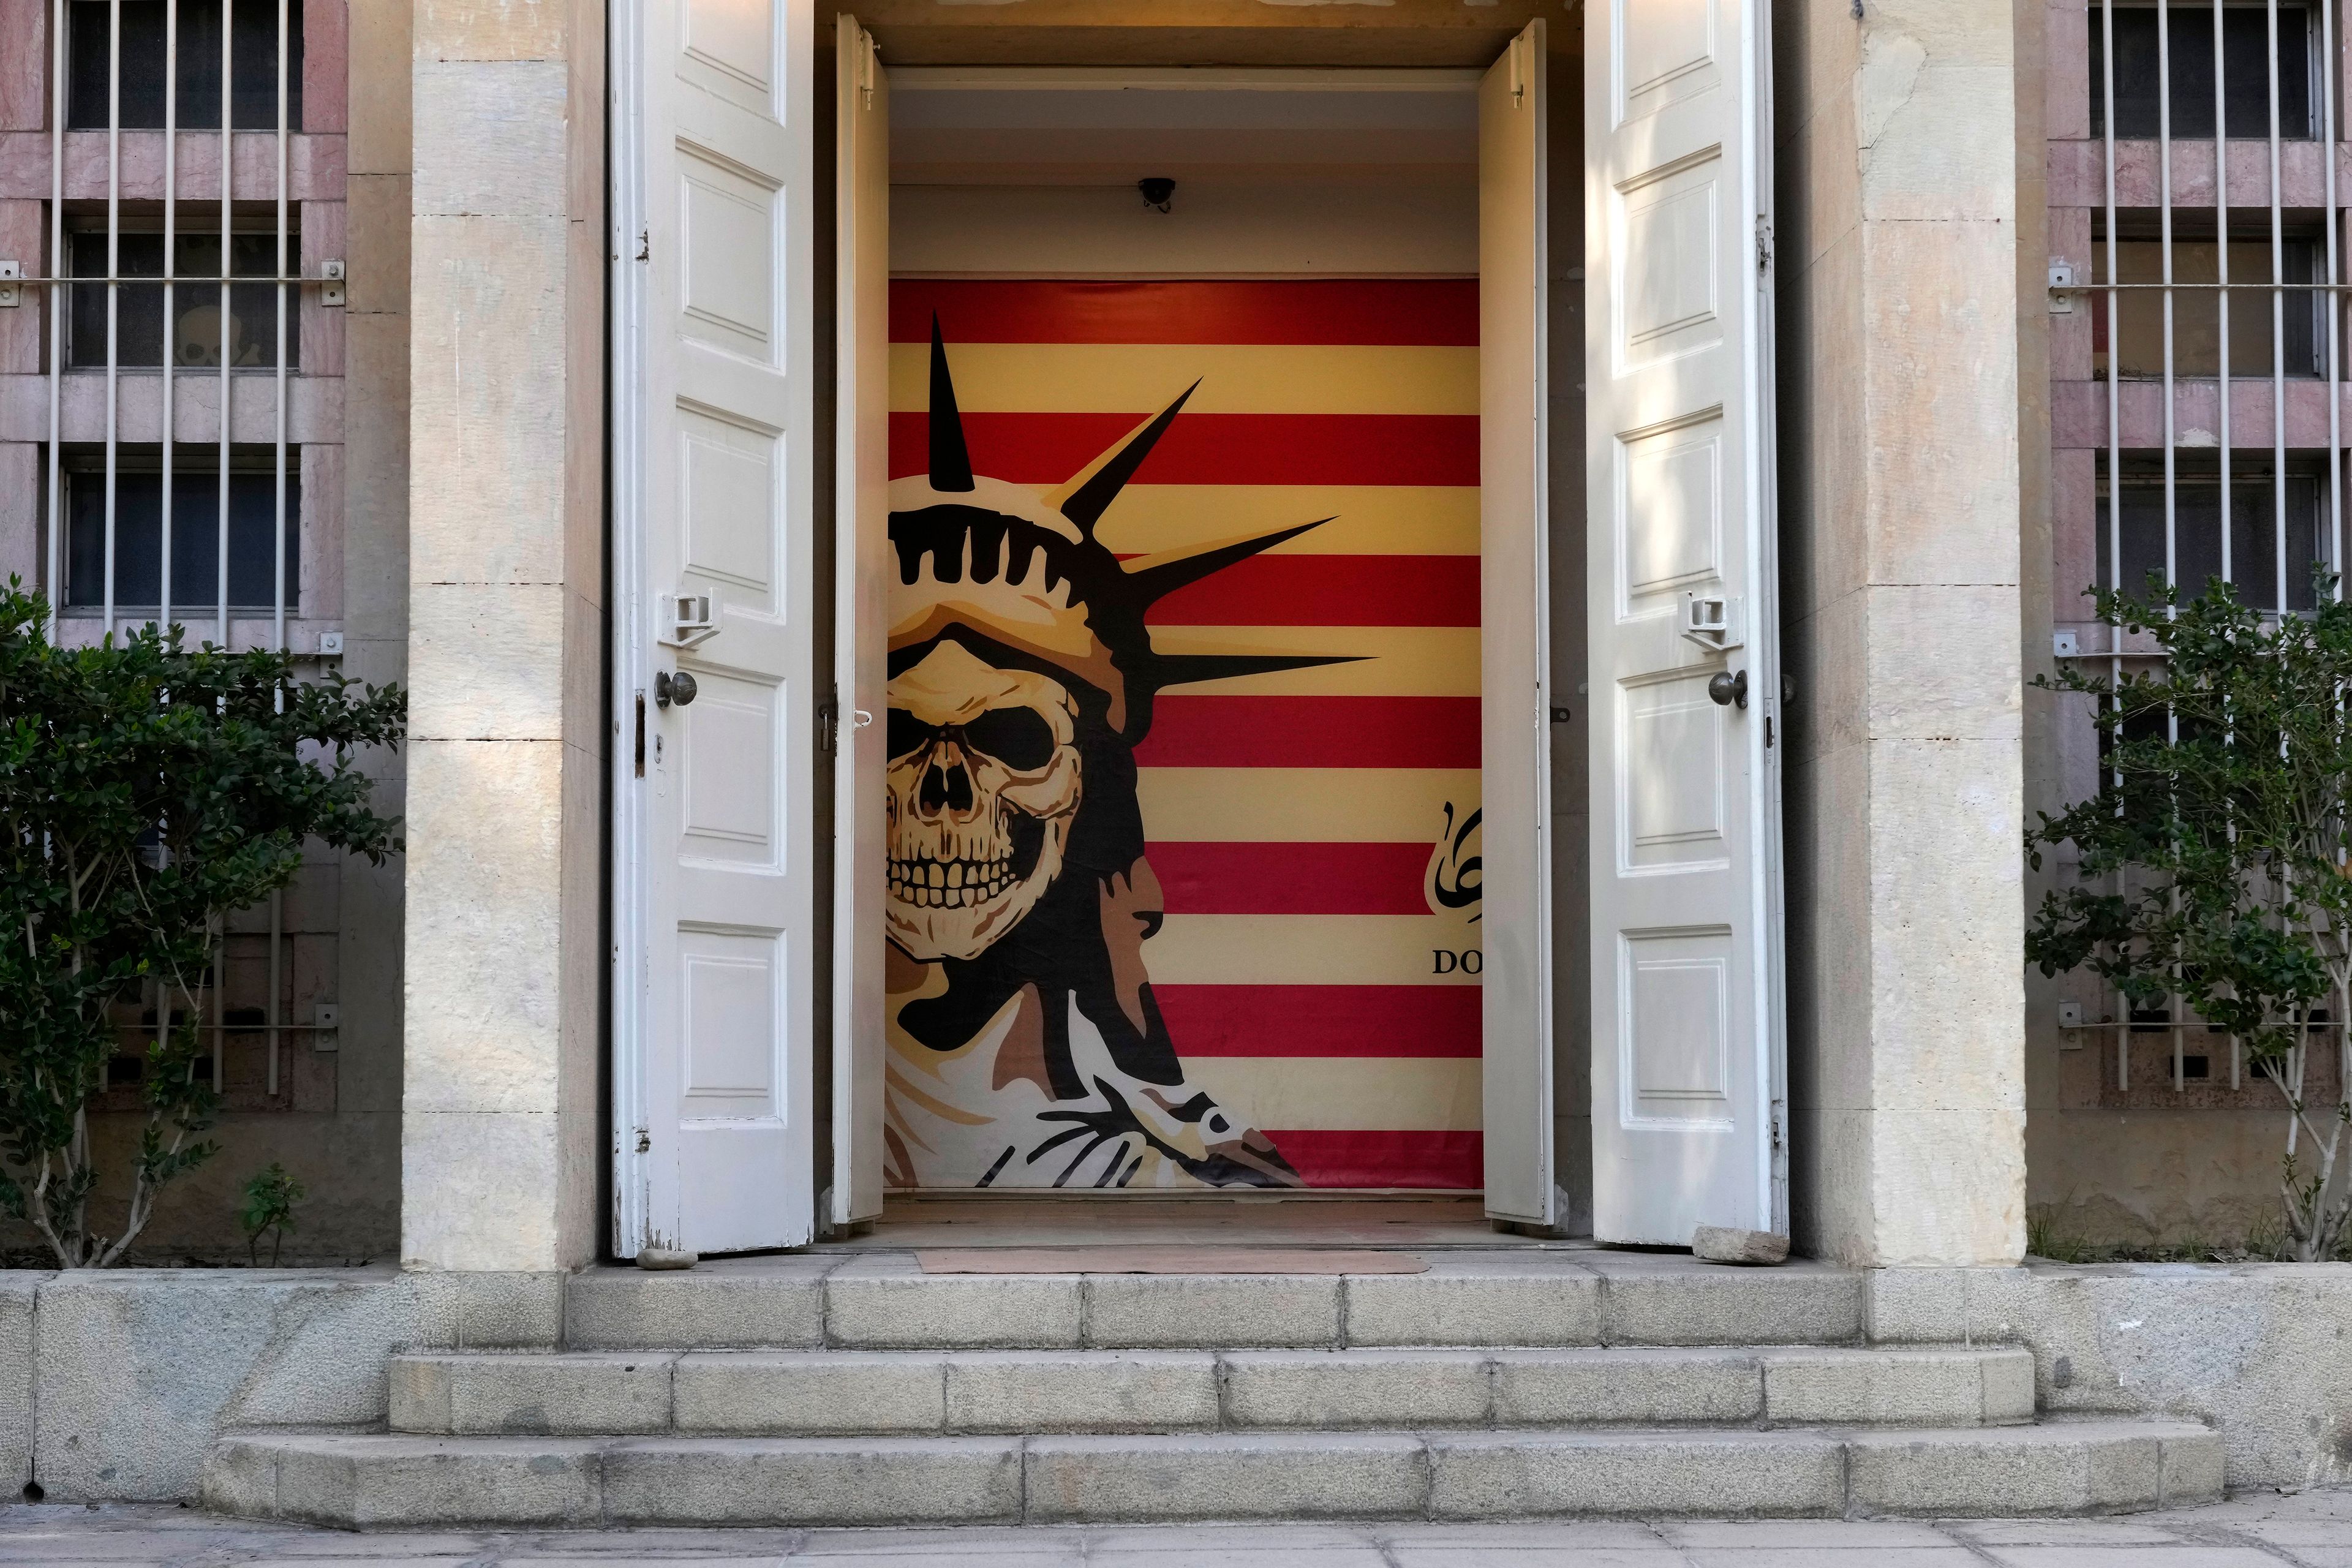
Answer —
1183 842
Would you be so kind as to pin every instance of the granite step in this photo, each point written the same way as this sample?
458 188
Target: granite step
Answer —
1522 1298
398 1480
923 1393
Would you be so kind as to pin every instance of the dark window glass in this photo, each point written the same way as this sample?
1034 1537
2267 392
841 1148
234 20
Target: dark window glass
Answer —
2197 533
2246 59
195 512
253 65
196 334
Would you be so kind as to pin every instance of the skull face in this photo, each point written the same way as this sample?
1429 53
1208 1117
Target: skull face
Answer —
984 778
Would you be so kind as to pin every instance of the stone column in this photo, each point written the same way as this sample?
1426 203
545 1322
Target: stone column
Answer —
1898 260
500 1133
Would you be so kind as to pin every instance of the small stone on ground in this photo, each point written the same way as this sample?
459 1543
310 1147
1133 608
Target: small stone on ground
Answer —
1729 1243
2312 1530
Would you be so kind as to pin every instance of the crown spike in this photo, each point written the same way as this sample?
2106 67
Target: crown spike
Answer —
1155 578
950 462
1098 484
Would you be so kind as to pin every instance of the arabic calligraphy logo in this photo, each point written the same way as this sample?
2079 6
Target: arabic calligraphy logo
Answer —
1452 881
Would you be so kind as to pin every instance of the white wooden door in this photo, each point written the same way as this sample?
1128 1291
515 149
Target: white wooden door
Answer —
1686 1006
1514 639
713 918
861 609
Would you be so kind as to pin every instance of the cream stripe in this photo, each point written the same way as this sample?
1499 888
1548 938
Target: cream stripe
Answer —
1365 520
1401 1094
1285 805
1235 378
1307 950
1389 661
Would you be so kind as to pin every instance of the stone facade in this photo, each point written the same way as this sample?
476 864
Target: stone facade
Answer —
1917 492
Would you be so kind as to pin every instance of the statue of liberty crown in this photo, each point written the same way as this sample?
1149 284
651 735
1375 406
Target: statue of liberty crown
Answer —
1023 570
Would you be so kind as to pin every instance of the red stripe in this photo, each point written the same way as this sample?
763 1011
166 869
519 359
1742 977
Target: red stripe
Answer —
1378 1159
1322 1020
1441 311
1329 591
1312 733
1211 448
1291 878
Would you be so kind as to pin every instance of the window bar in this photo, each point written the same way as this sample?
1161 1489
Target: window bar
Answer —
113 288
2176 1006
58 298
228 231
2278 319
2221 298
2115 424
171 273
278 536
2224 367
2330 55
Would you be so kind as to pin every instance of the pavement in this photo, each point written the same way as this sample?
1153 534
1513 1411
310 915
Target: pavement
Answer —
2312 1530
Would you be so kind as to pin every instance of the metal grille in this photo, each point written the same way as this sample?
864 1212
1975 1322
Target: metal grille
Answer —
174 310
2200 371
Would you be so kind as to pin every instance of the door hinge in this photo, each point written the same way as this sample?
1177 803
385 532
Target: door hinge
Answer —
1763 243
644 1142
828 719
645 244
1776 1129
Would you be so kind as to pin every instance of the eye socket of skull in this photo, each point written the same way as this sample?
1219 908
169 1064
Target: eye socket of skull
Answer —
1020 738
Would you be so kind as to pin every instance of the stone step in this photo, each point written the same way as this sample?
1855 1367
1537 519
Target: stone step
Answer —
912 1393
416 1482
1537 1298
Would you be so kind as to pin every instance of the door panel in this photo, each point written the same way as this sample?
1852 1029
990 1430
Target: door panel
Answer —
861 610
1515 637
1686 1025
712 913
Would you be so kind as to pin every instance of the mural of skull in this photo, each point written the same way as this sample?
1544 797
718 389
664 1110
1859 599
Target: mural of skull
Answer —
1025 1046
984 780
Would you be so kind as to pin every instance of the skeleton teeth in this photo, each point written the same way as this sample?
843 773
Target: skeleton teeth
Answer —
955 875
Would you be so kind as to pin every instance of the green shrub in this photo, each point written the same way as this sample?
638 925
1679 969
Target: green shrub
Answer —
2213 856
147 790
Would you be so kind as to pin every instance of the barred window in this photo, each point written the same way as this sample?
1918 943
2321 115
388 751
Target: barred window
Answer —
2257 535
195 336
195 534
253 71
2246 58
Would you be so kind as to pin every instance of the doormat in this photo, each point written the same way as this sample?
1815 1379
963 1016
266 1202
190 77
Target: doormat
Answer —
1163 1260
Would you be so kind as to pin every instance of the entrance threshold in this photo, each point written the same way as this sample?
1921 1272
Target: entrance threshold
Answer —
1421 1224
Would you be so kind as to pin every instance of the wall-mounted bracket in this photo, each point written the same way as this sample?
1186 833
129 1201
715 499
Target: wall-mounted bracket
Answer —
12 290
331 282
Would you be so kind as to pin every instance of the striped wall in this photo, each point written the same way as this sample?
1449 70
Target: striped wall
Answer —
1296 820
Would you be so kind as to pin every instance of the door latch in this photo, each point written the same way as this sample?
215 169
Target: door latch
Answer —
686 620
1712 621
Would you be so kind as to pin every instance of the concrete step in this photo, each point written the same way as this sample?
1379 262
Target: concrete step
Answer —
1522 1298
886 1393
418 1483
